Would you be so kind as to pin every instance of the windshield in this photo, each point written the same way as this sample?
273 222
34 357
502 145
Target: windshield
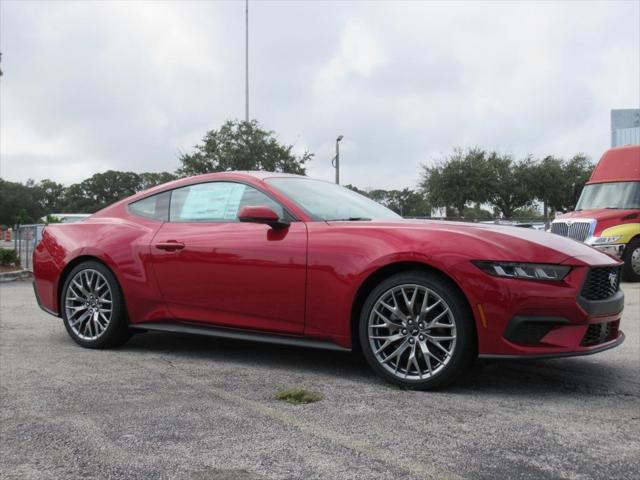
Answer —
328 201
623 195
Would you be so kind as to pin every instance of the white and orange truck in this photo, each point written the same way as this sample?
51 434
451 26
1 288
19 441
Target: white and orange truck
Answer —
607 215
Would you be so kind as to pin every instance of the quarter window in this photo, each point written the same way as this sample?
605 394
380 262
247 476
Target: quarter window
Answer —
216 202
155 207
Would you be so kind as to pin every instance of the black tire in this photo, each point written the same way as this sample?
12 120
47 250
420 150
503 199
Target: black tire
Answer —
116 332
628 273
462 353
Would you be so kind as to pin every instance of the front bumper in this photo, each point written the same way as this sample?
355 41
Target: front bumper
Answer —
533 319
574 353
616 249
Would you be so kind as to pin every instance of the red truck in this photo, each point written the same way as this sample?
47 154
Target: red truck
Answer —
607 215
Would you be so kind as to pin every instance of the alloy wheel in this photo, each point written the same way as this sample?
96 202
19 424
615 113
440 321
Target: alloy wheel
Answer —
412 332
88 304
635 260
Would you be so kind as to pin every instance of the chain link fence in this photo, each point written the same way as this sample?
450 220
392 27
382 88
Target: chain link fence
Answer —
25 240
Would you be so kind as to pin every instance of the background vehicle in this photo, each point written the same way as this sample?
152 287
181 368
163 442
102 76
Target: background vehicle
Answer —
284 258
607 215
66 217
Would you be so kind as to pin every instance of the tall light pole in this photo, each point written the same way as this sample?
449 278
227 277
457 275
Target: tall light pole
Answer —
246 60
336 160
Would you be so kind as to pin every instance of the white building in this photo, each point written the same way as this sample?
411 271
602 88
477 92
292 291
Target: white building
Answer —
625 127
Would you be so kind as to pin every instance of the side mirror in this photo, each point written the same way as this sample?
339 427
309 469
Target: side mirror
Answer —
261 214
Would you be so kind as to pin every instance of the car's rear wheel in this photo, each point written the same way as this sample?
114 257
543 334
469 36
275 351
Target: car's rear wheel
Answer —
416 331
631 257
93 308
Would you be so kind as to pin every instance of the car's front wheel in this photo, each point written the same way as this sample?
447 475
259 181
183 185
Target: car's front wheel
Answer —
416 330
93 308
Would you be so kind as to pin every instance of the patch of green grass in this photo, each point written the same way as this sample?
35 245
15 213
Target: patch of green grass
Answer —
298 396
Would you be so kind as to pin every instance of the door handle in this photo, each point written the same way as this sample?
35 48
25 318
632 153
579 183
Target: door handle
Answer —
170 246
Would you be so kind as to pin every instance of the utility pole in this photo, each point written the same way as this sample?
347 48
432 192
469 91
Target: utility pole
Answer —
336 160
246 61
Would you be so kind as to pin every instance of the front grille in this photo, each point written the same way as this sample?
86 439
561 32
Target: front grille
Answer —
578 230
601 283
599 333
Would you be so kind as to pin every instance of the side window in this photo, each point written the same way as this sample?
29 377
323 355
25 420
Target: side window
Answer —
215 202
155 207
255 197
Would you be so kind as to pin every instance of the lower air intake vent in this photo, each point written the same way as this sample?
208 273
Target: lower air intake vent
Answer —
598 333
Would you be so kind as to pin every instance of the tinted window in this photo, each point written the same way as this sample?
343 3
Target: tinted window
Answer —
622 195
215 202
155 206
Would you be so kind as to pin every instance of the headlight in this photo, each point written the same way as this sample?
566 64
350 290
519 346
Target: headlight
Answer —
526 271
604 240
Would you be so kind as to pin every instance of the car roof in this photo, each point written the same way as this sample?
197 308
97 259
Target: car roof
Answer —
262 174
249 174
228 175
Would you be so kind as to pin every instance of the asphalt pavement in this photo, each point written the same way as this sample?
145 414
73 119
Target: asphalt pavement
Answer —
182 407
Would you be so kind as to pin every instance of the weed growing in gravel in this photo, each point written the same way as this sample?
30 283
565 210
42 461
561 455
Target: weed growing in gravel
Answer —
298 396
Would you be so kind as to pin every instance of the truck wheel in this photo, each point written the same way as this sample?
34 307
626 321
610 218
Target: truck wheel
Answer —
631 257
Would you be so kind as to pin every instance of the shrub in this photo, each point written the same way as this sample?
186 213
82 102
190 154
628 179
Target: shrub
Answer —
8 257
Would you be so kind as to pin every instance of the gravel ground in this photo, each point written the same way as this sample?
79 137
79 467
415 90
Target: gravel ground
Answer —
175 406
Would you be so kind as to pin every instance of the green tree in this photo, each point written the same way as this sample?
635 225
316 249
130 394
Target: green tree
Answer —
242 146
545 179
50 195
557 183
407 202
528 213
576 172
357 190
19 203
507 183
101 190
477 213
456 181
151 179
76 200
52 219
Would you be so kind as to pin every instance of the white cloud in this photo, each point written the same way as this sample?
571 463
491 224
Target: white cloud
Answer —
359 54
126 85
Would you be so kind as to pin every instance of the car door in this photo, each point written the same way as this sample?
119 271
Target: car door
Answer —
213 269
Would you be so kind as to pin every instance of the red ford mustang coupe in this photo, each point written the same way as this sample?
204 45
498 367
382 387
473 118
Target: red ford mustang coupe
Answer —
288 259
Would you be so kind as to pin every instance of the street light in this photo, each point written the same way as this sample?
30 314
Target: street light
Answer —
246 61
336 160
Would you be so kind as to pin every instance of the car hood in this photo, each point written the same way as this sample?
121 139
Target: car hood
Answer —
600 214
495 242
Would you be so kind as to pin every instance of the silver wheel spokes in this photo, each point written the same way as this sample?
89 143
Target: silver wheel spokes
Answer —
88 304
412 332
635 260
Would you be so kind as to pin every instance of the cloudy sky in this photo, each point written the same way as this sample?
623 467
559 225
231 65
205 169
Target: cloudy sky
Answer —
92 86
